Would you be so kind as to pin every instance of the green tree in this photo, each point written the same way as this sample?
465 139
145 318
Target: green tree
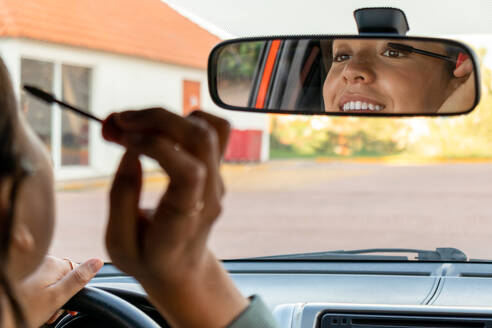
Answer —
238 61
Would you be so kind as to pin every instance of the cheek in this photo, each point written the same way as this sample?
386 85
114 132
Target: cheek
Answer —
40 212
416 88
403 86
331 86
438 86
35 206
35 209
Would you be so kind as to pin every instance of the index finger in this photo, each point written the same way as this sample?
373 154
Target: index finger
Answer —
166 123
151 120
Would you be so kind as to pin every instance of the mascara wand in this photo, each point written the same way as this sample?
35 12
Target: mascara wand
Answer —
50 99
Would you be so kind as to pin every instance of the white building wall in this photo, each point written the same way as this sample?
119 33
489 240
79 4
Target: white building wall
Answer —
121 82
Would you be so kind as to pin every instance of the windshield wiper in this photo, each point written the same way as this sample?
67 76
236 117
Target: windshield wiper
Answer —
440 254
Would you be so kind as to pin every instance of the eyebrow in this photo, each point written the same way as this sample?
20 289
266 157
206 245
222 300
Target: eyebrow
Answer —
405 47
340 44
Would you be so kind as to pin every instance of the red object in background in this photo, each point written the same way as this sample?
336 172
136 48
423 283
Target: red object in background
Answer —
244 146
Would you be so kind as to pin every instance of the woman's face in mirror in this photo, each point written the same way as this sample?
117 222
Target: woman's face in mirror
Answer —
369 76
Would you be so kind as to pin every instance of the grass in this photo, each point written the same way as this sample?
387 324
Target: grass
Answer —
290 154
276 153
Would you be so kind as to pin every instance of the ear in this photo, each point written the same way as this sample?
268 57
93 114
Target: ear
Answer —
22 238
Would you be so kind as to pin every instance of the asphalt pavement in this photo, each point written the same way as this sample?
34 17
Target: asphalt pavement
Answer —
296 206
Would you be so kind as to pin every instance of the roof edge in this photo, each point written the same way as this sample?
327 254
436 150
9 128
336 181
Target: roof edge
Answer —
206 25
102 51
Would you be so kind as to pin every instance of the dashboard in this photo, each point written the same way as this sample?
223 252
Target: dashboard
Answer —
360 294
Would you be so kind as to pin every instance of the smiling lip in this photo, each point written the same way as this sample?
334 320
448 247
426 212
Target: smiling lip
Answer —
359 104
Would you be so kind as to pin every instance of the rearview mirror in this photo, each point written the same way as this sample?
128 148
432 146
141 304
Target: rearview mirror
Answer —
345 75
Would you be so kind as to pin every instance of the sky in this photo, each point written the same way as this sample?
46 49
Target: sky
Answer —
270 17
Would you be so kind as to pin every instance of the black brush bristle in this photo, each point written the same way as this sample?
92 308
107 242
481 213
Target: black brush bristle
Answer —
49 98
39 93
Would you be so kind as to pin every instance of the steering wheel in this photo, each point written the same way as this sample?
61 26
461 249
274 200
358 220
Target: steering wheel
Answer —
114 310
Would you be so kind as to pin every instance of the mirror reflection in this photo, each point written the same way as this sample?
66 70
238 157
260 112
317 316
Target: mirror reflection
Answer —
394 76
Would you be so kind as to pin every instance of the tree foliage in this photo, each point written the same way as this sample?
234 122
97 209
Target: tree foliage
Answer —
238 61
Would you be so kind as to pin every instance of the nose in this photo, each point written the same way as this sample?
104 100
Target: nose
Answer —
358 70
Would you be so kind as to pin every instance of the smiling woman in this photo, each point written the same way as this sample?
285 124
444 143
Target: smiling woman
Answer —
146 195
346 75
377 76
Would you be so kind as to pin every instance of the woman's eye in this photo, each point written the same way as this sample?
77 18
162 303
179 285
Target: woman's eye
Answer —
393 53
340 58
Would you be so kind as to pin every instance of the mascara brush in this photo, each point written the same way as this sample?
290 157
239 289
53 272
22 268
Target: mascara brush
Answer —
50 99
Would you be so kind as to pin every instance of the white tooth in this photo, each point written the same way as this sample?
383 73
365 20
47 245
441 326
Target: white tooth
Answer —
364 105
371 106
346 106
352 105
378 107
358 105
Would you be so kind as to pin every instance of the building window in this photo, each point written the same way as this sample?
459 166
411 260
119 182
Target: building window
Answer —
37 112
75 130
65 134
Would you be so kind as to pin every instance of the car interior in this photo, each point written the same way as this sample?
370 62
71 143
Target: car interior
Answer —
361 288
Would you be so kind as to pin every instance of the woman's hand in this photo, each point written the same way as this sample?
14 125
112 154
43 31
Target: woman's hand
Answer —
462 97
44 292
166 248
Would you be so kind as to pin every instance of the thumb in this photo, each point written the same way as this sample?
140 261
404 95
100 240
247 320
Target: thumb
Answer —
75 280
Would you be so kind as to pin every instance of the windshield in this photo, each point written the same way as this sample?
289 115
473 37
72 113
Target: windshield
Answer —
295 184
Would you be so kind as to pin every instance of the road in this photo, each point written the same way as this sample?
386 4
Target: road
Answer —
300 206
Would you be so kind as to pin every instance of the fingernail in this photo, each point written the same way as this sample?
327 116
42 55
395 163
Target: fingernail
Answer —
95 265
